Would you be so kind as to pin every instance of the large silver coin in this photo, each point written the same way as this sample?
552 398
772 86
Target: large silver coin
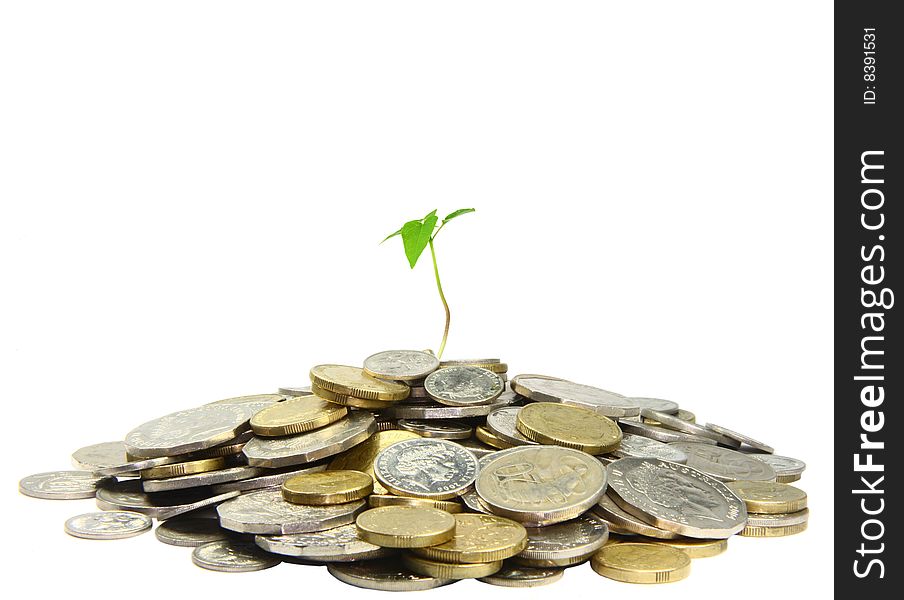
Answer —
502 422
190 532
523 577
297 390
609 510
232 557
672 422
661 434
786 468
635 446
426 468
201 479
274 478
666 406
265 512
112 525
567 543
445 430
191 430
127 495
725 464
464 386
401 365
676 498
385 575
96 456
741 438
439 411
339 544
548 389
541 485
61 485
313 445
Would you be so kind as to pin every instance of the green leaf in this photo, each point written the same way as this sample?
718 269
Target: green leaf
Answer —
392 235
458 213
416 236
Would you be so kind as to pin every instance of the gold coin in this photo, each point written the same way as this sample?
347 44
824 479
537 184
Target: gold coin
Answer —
684 415
353 381
641 563
362 457
696 548
489 438
569 426
787 478
405 526
296 415
184 468
327 487
434 568
376 500
769 497
781 531
346 400
479 539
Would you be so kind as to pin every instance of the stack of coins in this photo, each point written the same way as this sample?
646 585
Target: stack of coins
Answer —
408 473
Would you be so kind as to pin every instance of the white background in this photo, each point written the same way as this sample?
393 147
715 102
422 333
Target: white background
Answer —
193 194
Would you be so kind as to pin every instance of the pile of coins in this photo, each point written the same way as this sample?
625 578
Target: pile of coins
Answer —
409 473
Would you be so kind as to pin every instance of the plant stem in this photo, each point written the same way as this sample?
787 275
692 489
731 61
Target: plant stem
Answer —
439 286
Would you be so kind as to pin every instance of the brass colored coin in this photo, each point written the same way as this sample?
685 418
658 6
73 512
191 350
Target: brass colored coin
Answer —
781 531
296 415
353 381
696 548
433 568
479 539
184 468
787 478
346 400
327 487
769 497
569 426
405 526
684 415
489 438
642 563
362 457
376 500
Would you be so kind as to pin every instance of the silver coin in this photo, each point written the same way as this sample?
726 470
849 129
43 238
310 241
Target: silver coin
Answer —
548 389
641 447
426 468
503 422
191 430
232 556
672 422
273 478
665 406
467 363
725 464
264 399
523 577
386 575
784 466
127 495
265 512
299 390
439 411
661 434
201 479
339 544
779 519
741 438
190 532
566 543
97 456
445 429
61 485
477 448
464 386
400 365
609 510
313 445
676 498
113 525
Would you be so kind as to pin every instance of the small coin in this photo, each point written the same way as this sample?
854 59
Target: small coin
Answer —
184 468
502 424
464 386
61 485
565 544
385 575
769 496
446 430
523 577
127 495
376 500
672 422
666 406
642 563
777 525
550 389
434 568
640 447
350 401
231 556
661 434
479 539
353 381
271 478
609 510
402 365
786 469
327 487
426 468
296 415
725 464
339 544
296 390
684 415
111 525
265 512
569 426
740 438
197 480
190 532
362 456
697 548
405 526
